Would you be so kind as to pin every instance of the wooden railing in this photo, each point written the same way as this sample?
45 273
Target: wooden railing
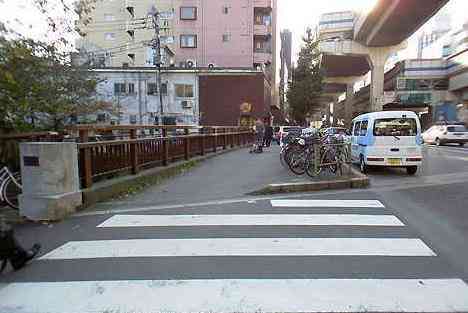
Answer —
139 147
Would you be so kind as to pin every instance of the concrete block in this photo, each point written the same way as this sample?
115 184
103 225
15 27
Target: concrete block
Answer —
51 183
50 208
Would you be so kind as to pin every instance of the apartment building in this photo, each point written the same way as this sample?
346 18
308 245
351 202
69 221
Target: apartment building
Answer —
205 33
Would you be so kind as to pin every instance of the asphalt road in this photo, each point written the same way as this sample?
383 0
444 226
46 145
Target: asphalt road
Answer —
399 246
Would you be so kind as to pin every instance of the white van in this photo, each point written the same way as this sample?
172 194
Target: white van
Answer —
388 138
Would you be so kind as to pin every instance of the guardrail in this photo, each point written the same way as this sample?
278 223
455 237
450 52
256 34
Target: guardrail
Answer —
141 147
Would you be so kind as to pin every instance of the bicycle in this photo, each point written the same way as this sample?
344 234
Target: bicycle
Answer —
10 187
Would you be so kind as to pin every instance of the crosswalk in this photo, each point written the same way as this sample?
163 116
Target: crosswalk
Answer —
281 256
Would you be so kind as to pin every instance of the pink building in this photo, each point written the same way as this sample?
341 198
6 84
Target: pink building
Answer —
226 33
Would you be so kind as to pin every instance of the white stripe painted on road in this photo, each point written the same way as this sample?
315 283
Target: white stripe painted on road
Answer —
289 295
241 247
251 220
328 203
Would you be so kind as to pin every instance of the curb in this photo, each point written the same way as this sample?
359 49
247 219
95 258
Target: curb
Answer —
112 188
356 180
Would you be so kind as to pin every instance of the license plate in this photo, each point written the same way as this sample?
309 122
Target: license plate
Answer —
394 161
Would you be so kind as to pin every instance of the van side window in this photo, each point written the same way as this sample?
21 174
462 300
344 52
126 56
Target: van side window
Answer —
357 128
364 128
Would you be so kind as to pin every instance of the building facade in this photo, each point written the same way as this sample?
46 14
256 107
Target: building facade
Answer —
232 99
135 96
285 67
228 33
219 97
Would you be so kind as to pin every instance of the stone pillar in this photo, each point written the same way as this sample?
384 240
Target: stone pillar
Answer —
349 110
51 183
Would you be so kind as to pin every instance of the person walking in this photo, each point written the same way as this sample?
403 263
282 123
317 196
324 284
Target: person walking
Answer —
268 136
11 250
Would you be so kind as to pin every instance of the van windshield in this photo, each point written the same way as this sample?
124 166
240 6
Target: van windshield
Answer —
395 127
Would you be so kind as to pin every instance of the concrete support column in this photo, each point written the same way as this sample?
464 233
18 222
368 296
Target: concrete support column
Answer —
377 57
349 110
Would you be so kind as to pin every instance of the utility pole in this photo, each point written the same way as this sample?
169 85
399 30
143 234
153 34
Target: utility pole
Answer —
156 44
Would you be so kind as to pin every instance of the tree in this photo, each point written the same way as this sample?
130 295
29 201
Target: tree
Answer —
306 84
39 85
40 88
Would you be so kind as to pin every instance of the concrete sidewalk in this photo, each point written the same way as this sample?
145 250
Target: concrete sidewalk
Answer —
230 175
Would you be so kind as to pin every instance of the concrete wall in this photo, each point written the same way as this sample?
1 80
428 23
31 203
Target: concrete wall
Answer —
145 107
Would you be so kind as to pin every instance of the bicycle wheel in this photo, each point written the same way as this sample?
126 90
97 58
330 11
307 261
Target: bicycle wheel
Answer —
297 162
3 264
12 189
310 165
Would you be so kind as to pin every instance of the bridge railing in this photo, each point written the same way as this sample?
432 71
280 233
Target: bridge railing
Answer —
133 148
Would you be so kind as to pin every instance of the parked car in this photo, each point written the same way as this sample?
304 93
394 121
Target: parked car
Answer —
442 134
390 138
283 131
339 132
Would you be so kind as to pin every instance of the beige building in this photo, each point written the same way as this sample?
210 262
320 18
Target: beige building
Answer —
119 32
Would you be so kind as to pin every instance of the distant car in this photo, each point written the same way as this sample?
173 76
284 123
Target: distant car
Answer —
442 134
338 132
282 131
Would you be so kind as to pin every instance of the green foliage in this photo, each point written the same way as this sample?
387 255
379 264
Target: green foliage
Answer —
40 88
306 85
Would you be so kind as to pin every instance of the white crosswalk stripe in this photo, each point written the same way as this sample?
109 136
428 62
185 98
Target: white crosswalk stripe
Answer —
246 294
251 220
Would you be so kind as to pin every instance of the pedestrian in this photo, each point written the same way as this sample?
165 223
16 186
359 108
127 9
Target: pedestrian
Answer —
11 250
268 136
259 133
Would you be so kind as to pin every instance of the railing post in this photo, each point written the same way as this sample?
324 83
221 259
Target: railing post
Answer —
224 139
202 142
316 157
165 144
215 140
233 137
186 144
87 163
134 151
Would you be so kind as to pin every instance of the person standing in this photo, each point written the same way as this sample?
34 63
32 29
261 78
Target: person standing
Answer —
268 136
259 134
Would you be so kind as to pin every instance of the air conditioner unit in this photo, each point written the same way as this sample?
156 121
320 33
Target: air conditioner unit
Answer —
191 63
187 104
211 66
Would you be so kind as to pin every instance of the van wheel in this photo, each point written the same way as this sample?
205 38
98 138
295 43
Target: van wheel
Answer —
362 165
411 170
437 142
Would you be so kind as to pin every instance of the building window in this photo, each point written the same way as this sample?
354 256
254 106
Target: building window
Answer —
184 91
109 36
188 13
152 88
226 37
109 17
225 10
133 119
164 88
119 88
101 117
188 41
131 88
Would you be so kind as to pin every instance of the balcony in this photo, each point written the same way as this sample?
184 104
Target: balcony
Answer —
262 56
262 30
263 4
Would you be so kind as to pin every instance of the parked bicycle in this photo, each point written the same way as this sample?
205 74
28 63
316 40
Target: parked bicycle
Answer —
10 187
313 154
